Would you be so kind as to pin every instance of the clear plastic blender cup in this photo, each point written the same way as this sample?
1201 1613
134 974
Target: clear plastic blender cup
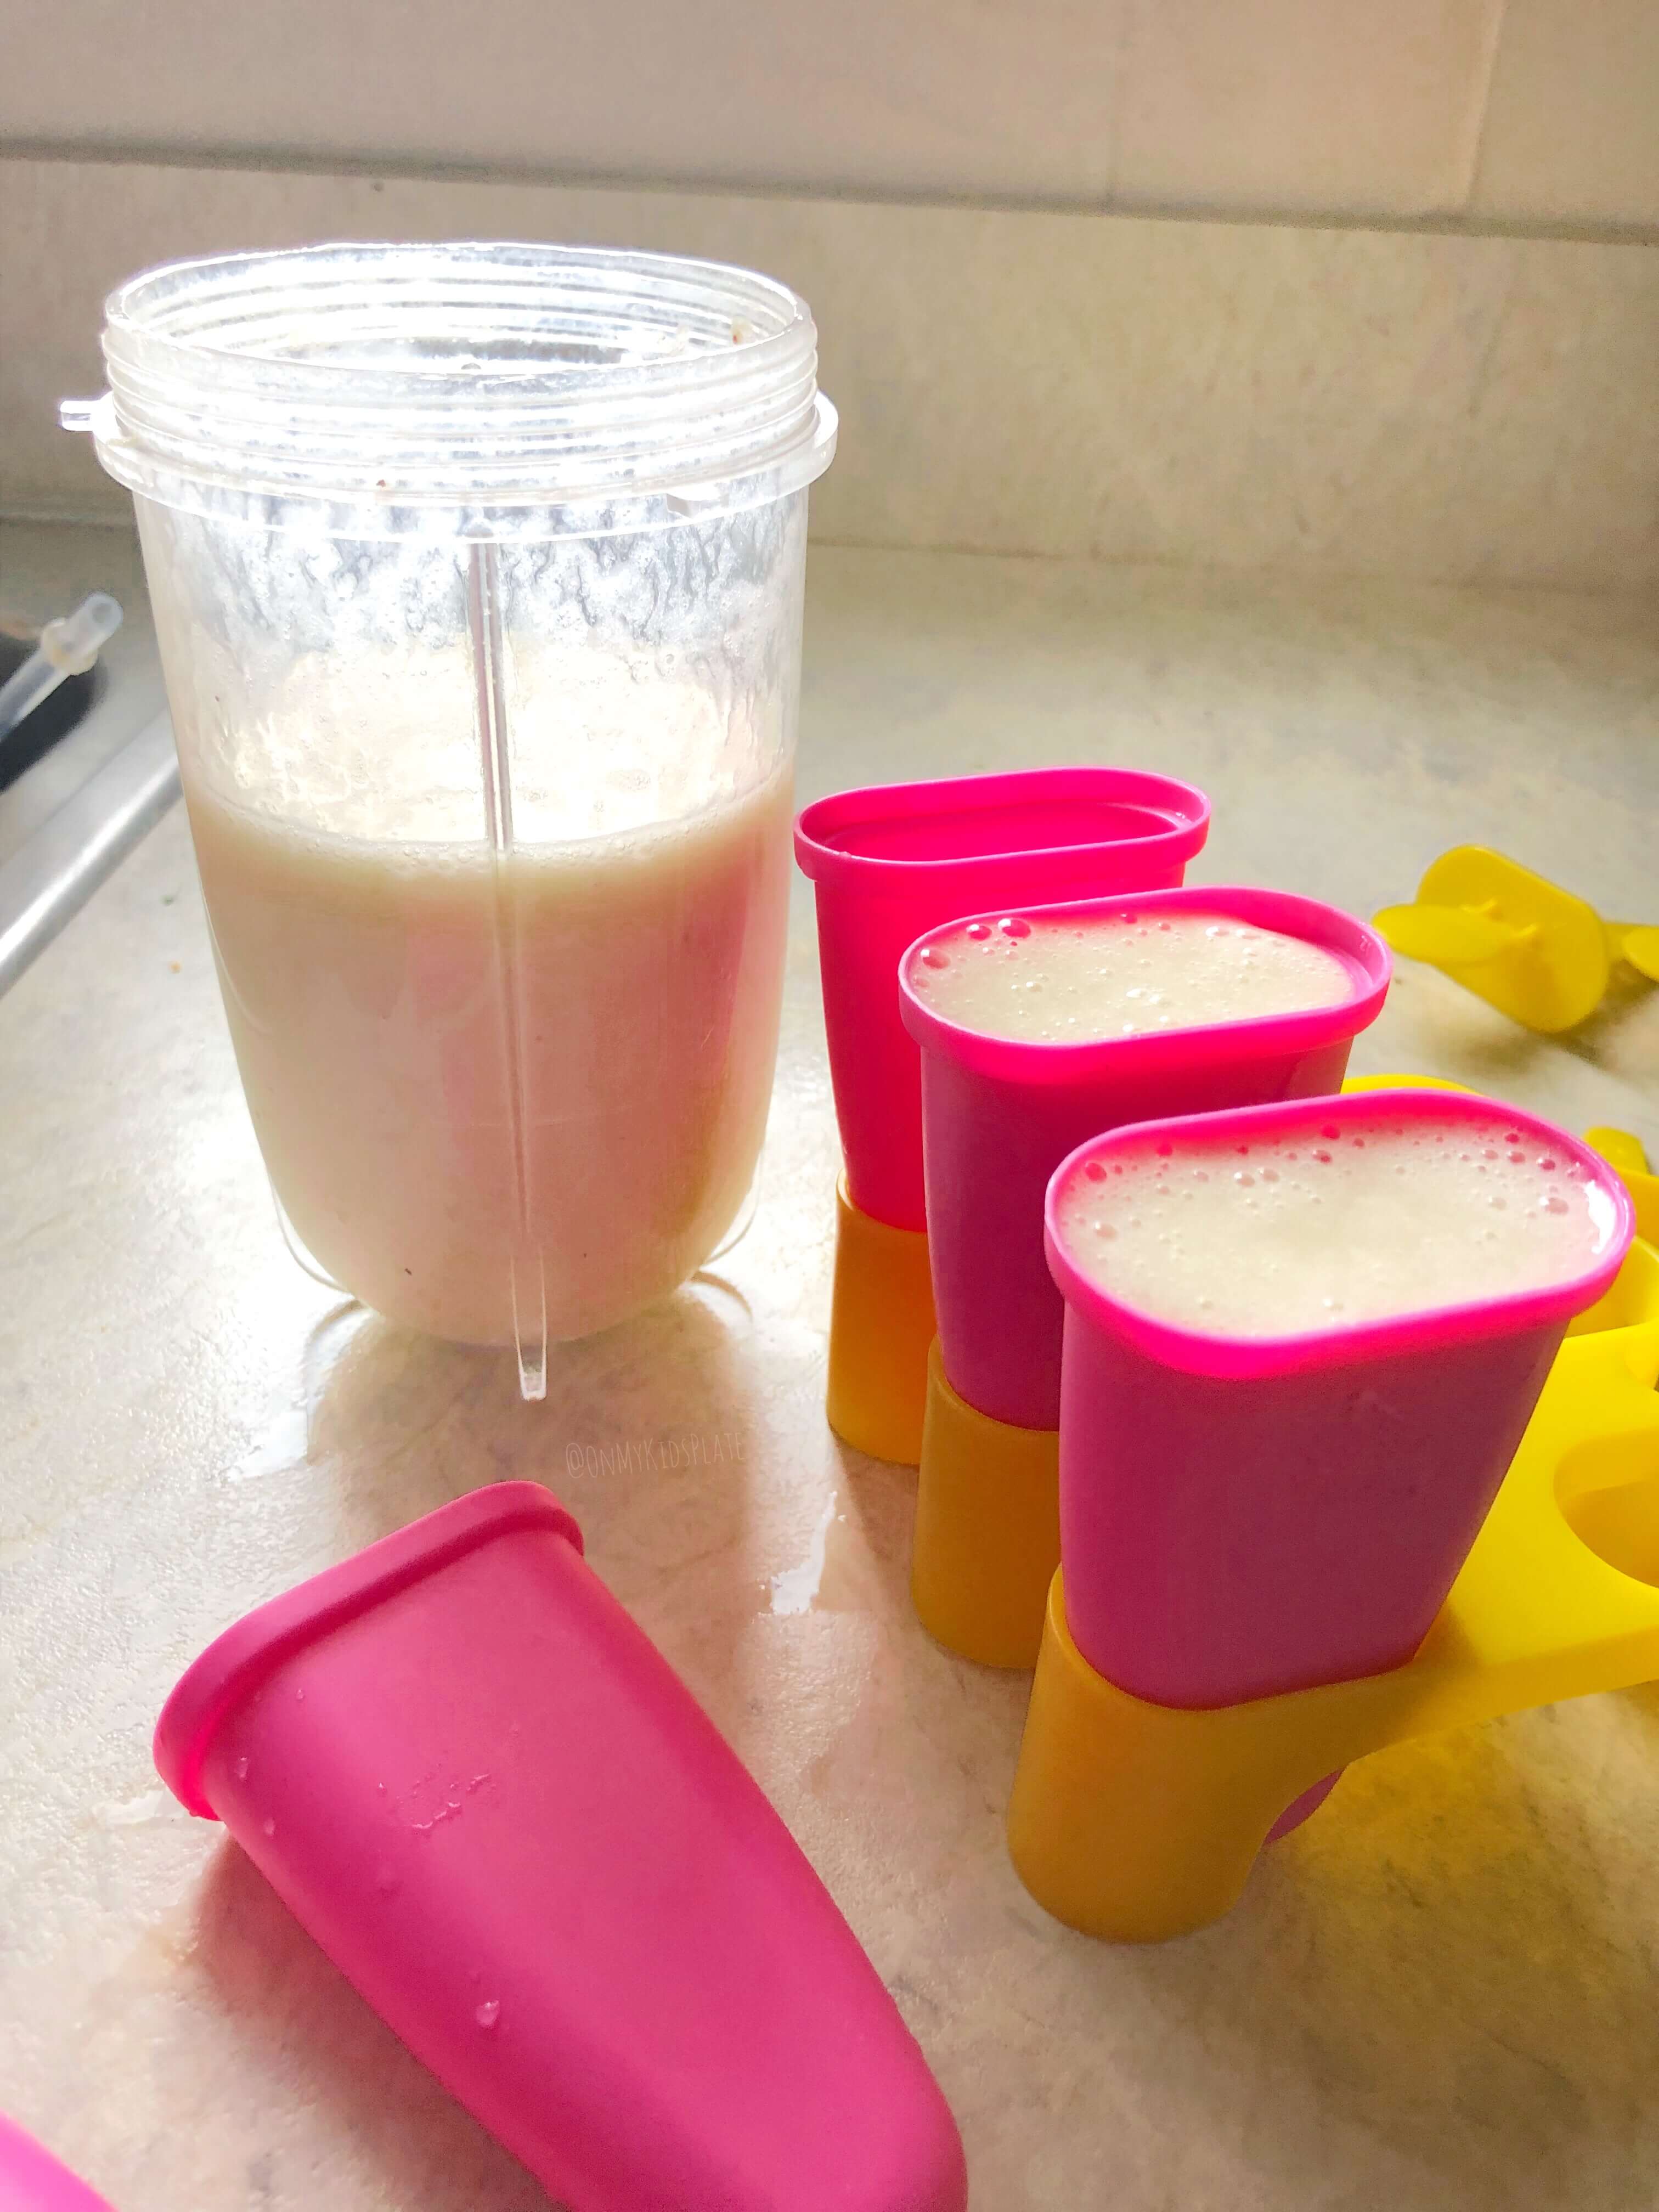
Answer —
477 571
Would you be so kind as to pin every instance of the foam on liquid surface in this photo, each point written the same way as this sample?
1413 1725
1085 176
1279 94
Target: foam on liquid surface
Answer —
1332 1226
1049 982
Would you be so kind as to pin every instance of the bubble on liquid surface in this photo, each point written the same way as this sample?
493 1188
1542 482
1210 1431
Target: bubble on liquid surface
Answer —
932 957
1014 925
1096 1170
978 931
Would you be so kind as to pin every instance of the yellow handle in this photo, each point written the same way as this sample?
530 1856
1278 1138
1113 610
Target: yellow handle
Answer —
1639 944
1444 936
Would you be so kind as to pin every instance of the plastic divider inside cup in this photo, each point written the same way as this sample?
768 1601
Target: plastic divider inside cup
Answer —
1243 1517
999 1116
889 860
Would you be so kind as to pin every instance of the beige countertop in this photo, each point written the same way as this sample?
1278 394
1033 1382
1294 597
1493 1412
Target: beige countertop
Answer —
1439 1994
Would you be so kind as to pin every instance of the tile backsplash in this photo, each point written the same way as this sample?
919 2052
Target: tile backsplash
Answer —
1342 107
1484 112
1385 403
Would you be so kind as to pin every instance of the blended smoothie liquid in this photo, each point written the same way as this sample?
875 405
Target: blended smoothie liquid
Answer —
1048 980
563 1054
1287 1235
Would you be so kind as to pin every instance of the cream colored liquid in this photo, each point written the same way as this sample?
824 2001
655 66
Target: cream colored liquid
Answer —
1333 1227
1048 982
595 1104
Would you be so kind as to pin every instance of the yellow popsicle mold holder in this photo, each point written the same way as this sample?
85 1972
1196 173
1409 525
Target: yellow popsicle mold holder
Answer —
1517 940
1137 1822
881 1323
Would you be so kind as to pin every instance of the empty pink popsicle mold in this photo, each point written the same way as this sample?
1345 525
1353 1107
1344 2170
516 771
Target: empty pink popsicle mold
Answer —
889 860
498 1810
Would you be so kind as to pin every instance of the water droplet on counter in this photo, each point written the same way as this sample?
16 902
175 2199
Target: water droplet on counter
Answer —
794 1590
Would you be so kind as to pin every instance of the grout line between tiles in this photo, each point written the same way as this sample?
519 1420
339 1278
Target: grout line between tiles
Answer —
1480 106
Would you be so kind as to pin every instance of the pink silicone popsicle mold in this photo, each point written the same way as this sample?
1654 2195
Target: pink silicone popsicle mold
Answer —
889 860
498 1810
999 1116
1242 1516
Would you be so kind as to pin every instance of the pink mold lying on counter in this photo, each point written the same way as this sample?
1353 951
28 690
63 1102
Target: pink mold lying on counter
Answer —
32 2180
489 1797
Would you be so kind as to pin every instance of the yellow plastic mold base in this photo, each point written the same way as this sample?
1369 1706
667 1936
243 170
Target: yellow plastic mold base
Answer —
881 1323
1137 1822
987 1529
